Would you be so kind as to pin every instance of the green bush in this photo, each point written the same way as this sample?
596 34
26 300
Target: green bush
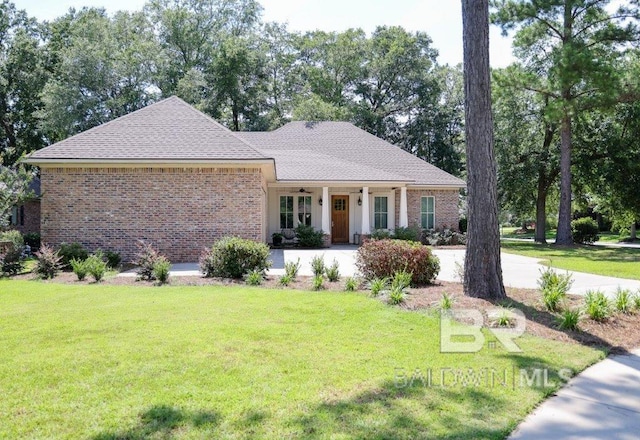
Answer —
569 320
636 300
623 301
333 272
551 280
32 239
380 234
145 259
113 259
377 285
317 265
552 298
396 296
584 230
96 266
317 283
71 251
161 269
11 259
80 268
408 234
234 257
291 269
48 263
401 280
383 258
254 278
351 284
597 305
285 280
308 237
446 302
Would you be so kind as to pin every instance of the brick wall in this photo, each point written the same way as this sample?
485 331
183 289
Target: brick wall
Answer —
178 210
447 214
30 217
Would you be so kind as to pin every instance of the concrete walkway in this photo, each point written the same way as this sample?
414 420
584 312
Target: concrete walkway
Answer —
603 402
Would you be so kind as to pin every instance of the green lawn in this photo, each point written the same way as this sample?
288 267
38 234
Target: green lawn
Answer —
114 362
615 262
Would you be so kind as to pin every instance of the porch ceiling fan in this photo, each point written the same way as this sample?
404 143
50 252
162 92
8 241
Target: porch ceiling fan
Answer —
304 191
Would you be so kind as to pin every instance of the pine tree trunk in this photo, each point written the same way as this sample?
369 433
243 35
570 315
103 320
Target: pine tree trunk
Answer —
563 235
633 234
541 210
482 271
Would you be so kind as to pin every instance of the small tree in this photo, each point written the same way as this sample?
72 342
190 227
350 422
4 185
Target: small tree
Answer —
14 189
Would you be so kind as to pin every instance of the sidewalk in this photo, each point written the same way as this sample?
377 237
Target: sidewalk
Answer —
602 402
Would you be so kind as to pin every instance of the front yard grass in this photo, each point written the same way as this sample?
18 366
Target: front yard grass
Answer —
609 261
128 362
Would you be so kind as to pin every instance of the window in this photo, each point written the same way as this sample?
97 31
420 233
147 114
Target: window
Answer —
428 213
286 212
380 213
304 210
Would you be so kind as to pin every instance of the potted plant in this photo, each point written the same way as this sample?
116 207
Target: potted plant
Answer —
277 238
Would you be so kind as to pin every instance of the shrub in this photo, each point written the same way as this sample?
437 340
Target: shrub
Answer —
377 285
234 257
446 302
317 265
444 238
552 297
383 258
407 234
597 305
351 284
401 280
32 239
569 319
584 230
308 237
317 283
551 280
333 272
161 269
113 259
380 234
145 259
11 258
254 278
96 266
80 268
285 280
636 300
503 318
623 300
48 264
71 251
291 269
396 296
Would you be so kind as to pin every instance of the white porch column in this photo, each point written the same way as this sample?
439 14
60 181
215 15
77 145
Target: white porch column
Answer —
326 204
404 218
366 228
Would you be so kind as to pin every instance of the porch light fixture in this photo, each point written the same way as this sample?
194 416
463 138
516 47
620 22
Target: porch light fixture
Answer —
320 201
359 201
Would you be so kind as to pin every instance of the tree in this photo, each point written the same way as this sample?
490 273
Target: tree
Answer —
14 189
22 77
526 148
483 270
570 49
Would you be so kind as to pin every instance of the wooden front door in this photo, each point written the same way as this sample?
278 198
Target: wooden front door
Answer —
340 219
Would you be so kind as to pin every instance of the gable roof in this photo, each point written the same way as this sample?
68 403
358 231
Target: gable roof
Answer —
170 129
366 156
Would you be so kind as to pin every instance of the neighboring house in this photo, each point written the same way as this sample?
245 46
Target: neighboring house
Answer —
26 217
170 175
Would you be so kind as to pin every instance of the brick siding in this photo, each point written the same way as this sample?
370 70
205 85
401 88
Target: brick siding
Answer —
178 210
447 214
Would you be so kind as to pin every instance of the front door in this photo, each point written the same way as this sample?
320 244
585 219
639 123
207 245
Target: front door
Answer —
340 219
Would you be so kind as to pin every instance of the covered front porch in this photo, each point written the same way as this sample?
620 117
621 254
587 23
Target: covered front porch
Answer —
343 212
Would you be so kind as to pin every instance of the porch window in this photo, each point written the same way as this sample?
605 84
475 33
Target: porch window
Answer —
304 210
286 212
428 213
380 213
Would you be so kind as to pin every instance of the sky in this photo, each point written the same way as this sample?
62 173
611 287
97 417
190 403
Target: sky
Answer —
441 19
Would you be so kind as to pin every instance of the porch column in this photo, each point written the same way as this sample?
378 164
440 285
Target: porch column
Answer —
326 204
404 220
366 228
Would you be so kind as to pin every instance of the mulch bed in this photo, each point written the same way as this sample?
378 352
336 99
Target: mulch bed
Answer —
618 334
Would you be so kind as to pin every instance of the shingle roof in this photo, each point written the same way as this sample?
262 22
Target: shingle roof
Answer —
354 155
170 129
